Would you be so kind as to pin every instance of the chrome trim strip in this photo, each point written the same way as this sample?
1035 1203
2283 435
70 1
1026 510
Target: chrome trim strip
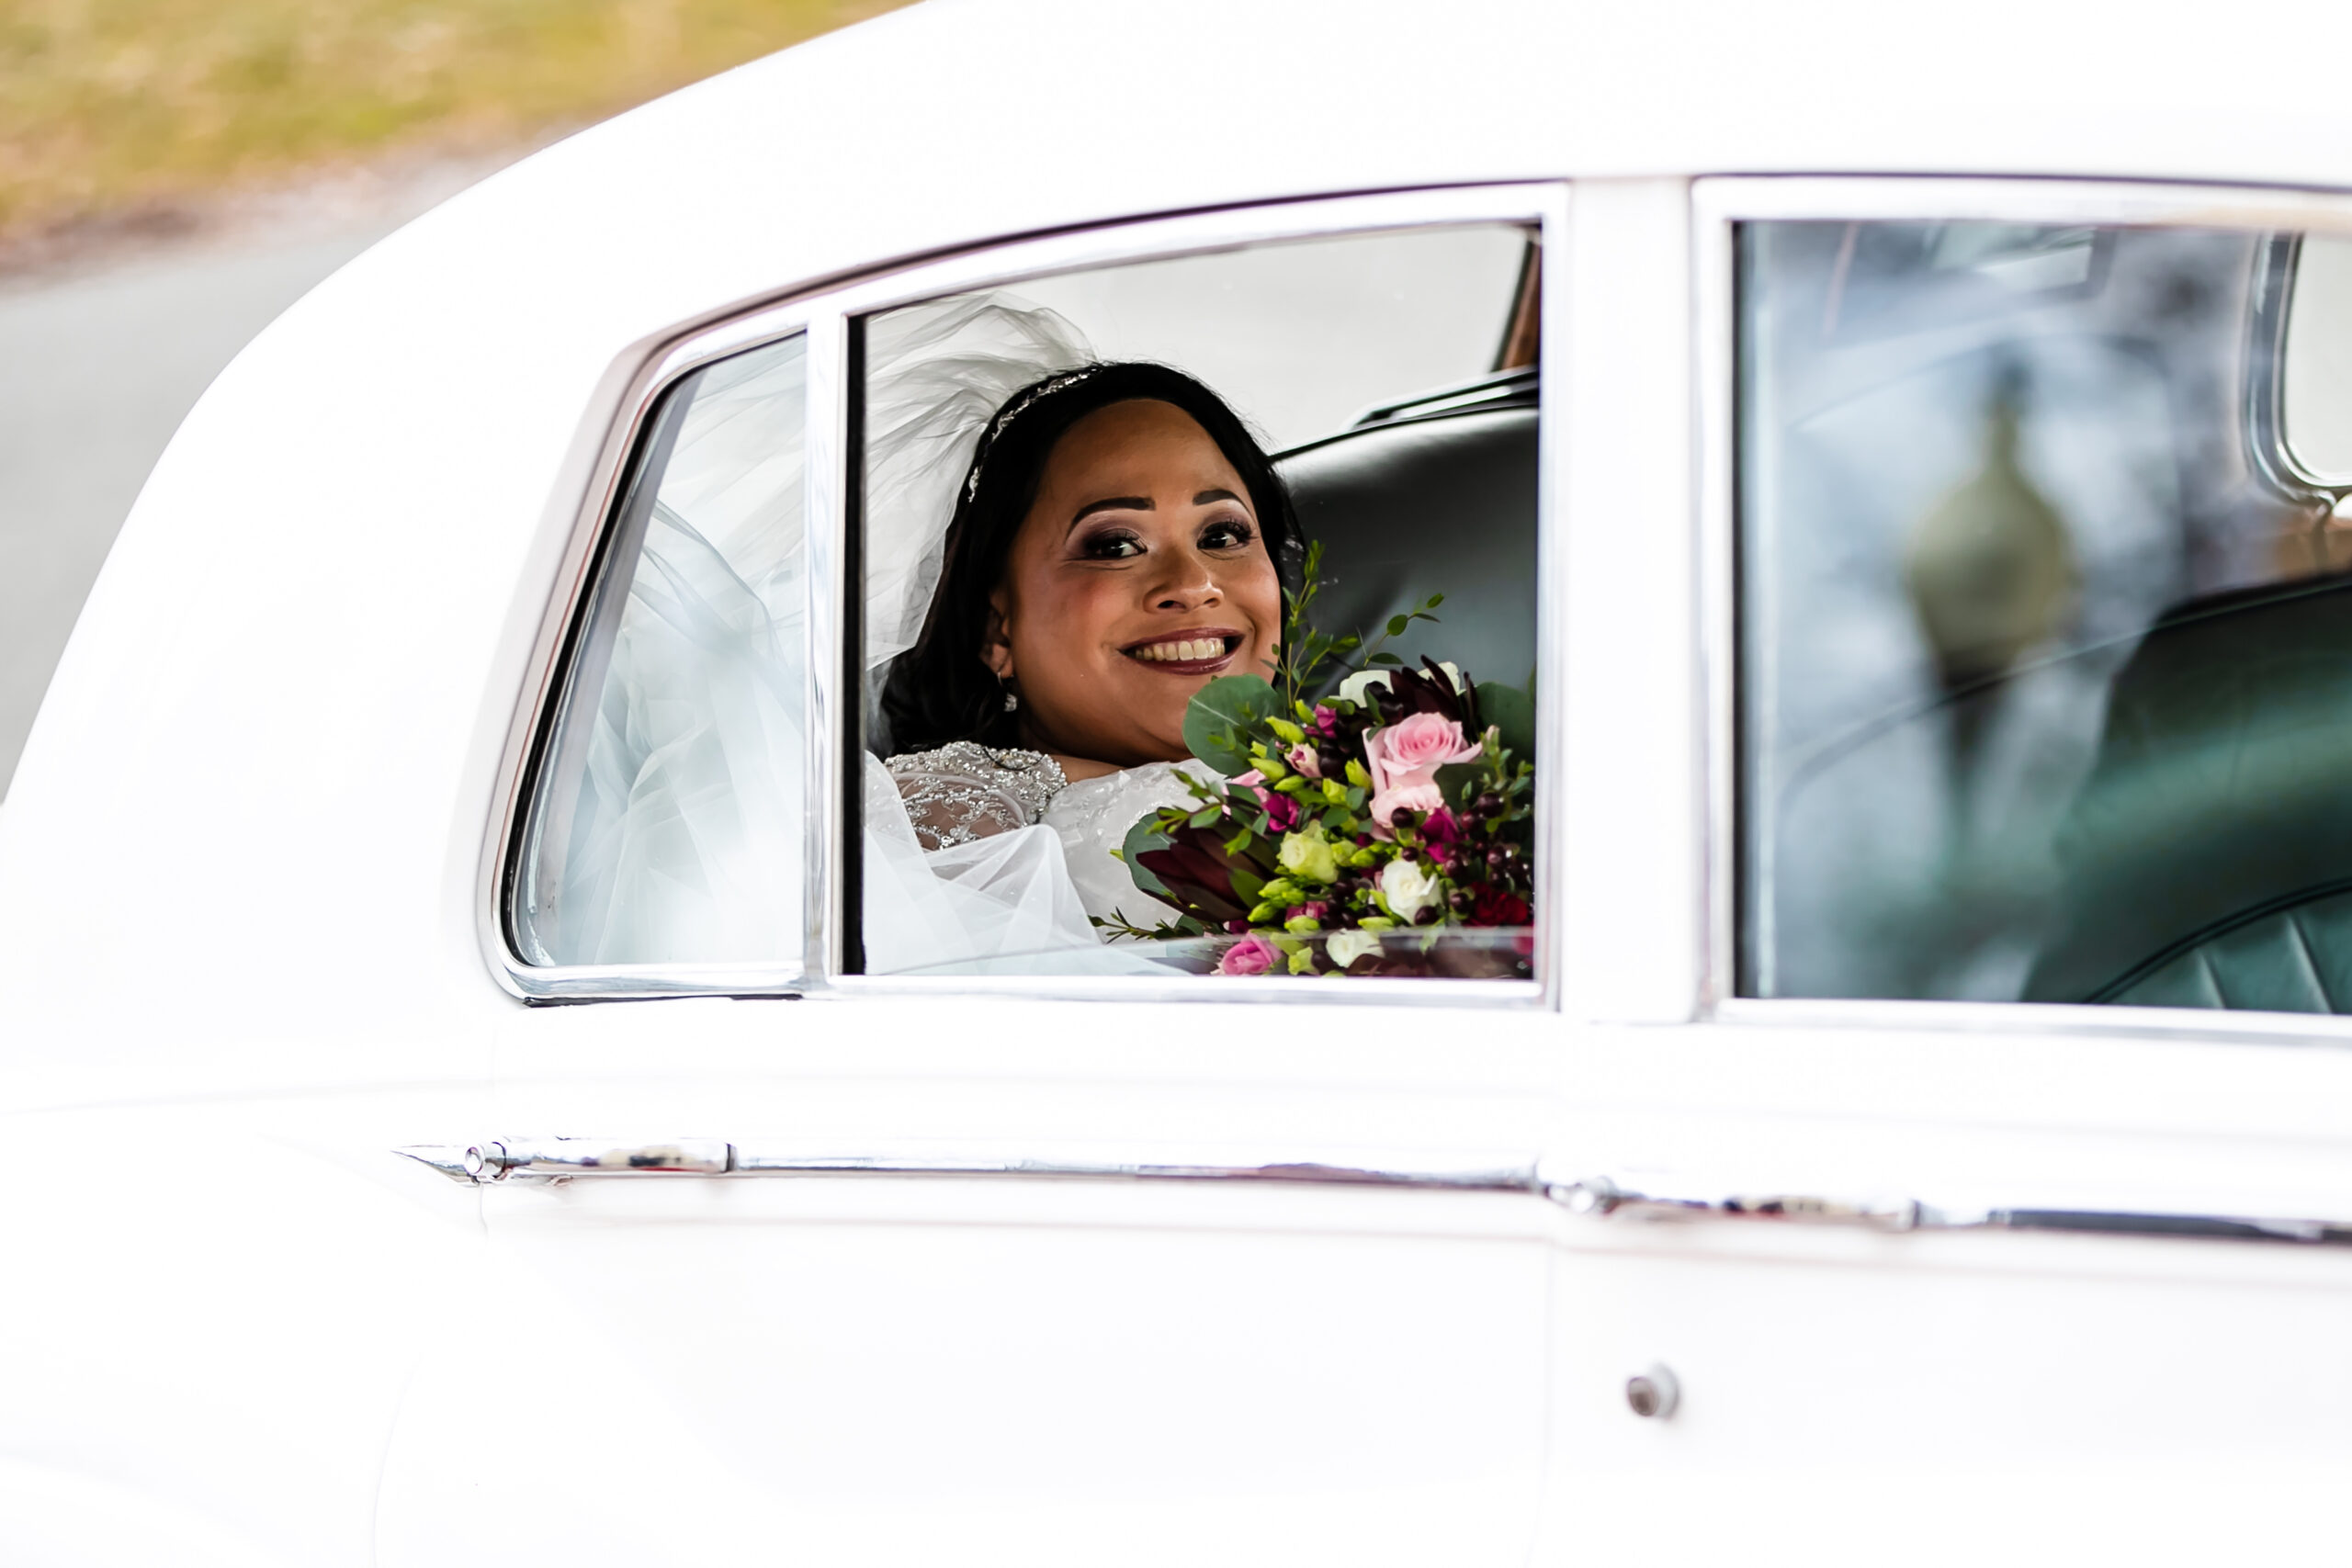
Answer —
2079 1021
1198 233
1602 1197
498 1160
548 1159
660 364
1552 455
1718 204
661 360
2267 450
1329 990
1715 408
826 528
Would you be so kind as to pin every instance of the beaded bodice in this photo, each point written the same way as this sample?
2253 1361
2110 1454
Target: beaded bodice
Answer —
964 791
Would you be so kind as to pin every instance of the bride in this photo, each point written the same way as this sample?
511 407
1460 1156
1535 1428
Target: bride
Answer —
1117 543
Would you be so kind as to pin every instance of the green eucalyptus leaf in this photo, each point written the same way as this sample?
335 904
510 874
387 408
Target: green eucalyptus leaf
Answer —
1221 716
1144 837
1512 714
1459 782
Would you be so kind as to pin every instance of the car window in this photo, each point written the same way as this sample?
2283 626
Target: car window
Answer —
2046 680
667 817
1371 399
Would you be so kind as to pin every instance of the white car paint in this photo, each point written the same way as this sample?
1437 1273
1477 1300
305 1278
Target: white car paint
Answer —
239 957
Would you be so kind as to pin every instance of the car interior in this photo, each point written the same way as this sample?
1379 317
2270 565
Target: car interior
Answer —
2141 802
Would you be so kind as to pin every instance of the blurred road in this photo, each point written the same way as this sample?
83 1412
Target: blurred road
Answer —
97 370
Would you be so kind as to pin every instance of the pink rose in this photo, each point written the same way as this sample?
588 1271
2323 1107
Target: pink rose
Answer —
1252 777
1403 760
1303 759
1253 954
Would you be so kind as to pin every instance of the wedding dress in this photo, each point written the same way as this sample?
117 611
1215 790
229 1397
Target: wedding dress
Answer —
966 793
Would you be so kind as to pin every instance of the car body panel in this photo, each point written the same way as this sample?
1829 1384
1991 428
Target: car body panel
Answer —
242 867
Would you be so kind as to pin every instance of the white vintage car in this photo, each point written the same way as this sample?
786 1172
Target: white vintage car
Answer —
470 1098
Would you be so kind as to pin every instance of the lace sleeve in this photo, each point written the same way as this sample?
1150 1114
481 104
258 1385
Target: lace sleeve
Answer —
956 809
964 792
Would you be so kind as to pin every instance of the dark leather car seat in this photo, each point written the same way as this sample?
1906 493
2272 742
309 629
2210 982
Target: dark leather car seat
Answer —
2207 858
1410 504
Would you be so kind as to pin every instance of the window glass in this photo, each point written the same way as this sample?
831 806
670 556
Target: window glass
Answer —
1158 445
2046 690
667 824
2316 370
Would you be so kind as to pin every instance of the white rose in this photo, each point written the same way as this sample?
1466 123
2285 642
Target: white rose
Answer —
1409 886
1346 947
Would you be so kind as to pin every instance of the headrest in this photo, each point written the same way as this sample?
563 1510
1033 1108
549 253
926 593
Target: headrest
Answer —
1443 505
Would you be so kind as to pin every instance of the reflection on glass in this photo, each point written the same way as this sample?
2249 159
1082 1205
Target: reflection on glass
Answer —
2046 691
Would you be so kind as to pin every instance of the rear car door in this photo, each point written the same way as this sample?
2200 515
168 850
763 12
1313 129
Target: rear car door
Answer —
786 1256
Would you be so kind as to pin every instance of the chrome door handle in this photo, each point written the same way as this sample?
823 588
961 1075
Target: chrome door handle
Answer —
498 1160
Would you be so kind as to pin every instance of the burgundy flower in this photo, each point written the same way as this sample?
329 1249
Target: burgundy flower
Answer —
1281 811
1492 906
1410 692
1198 873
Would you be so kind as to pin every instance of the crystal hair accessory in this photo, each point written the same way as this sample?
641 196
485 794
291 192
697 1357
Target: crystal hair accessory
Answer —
997 427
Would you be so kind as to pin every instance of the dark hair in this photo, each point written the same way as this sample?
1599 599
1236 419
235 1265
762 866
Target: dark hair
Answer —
940 690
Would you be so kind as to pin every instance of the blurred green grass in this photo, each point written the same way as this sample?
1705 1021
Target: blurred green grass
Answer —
112 105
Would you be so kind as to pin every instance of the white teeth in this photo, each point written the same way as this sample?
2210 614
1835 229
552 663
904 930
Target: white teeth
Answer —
1183 651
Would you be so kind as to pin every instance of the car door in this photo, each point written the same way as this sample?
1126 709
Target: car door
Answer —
1944 1253
791 1260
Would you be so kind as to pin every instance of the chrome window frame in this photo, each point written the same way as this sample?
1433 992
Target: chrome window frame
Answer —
830 315
1720 204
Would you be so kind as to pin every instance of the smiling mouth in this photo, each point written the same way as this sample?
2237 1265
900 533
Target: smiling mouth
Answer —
1187 653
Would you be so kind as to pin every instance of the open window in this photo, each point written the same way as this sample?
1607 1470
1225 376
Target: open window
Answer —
1102 509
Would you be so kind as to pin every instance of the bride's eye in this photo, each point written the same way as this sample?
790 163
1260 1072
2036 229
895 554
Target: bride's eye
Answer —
1228 534
1111 546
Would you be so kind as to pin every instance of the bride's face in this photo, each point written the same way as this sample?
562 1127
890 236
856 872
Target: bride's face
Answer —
1138 577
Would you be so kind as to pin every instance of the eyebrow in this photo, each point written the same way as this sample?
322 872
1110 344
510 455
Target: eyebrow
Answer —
1112 503
1143 504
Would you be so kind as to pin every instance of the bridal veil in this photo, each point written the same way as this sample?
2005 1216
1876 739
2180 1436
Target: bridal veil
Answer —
685 840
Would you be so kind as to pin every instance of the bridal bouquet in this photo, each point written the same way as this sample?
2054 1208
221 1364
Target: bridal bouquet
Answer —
1349 831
